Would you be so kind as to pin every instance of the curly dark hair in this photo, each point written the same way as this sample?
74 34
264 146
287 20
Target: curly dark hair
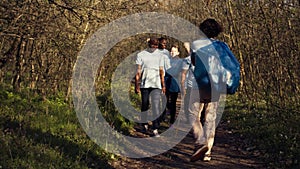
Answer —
211 28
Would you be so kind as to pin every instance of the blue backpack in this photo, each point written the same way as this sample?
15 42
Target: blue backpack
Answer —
217 67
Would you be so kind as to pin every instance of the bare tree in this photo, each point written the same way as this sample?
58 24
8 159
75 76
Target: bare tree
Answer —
40 41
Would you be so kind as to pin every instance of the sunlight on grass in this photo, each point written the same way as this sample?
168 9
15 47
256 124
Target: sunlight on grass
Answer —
44 134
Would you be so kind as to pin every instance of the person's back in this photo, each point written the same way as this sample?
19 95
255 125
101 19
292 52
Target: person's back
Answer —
217 68
150 71
209 75
208 72
150 62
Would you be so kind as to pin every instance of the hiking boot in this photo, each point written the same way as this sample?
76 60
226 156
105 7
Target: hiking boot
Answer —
199 153
155 133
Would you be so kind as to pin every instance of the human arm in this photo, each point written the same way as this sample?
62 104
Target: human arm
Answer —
137 79
162 79
187 46
183 78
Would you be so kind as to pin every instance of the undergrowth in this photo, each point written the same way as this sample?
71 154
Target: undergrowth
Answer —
44 133
272 131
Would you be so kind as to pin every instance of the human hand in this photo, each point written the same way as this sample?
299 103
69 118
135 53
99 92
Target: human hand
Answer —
163 90
137 89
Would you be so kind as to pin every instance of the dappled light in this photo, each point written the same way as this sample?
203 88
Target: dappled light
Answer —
40 44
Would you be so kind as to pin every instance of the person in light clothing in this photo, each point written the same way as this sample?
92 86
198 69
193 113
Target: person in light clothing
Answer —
149 81
207 97
188 83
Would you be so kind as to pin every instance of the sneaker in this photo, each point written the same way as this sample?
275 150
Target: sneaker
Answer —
145 128
200 153
155 133
207 158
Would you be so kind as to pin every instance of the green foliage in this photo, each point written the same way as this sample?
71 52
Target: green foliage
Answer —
37 133
40 42
275 133
135 99
111 115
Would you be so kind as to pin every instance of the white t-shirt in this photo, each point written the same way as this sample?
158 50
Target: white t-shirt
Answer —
150 63
166 56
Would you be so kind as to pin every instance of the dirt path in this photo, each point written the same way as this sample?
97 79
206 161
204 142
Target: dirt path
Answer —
228 152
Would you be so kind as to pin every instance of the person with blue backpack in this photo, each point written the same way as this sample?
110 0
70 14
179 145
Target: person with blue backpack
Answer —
216 72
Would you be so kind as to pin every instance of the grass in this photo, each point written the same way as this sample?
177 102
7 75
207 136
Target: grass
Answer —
275 133
45 133
37 133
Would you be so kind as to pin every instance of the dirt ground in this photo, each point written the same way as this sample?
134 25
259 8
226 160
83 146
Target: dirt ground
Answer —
229 152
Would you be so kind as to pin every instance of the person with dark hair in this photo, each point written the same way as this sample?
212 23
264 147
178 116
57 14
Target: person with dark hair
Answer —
172 78
162 48
163 42
149 81
209 74
211 28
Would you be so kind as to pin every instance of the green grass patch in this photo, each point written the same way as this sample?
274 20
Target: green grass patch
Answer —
38 133
272 131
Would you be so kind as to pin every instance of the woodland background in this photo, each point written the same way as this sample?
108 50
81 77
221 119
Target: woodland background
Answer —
39 45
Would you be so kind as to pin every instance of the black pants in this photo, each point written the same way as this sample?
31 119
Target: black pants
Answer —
171 105
155 95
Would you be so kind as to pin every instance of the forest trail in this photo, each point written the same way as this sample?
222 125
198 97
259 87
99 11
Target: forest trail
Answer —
229 152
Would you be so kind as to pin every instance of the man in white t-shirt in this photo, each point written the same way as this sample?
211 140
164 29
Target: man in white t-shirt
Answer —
149 80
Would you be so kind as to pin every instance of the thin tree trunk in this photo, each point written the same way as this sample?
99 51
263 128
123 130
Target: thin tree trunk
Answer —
16 81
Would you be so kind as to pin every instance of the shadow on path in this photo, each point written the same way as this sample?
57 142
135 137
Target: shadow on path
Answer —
227 153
